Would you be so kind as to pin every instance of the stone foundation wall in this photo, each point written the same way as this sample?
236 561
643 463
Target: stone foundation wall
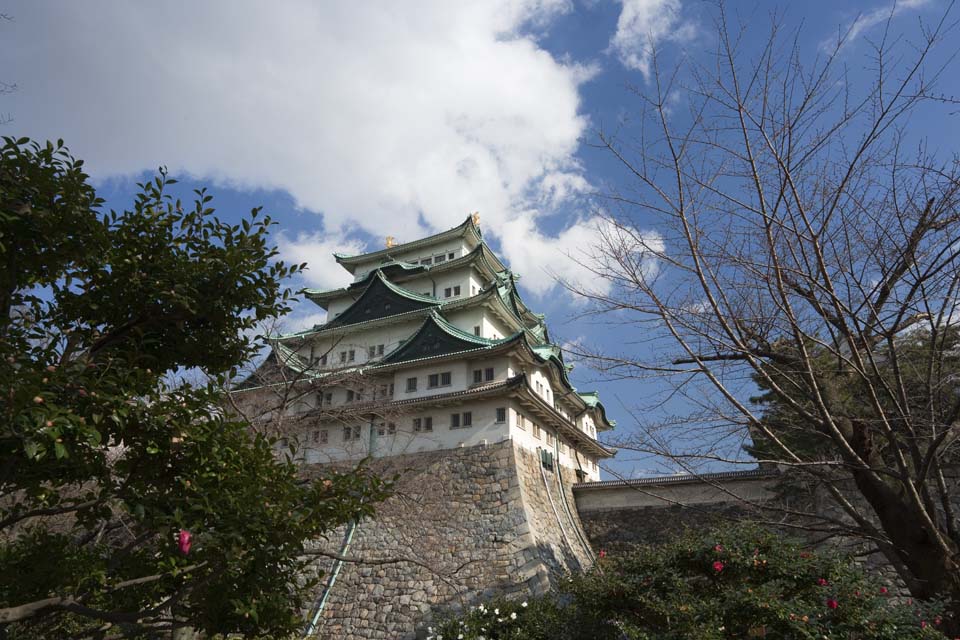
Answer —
477 521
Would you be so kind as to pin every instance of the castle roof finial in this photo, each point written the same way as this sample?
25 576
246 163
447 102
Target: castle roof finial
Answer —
475 216
391 241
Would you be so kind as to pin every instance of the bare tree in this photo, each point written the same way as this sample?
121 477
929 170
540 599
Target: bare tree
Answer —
785 232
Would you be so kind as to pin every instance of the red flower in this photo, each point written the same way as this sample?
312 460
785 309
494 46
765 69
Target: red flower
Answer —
603 553
718 566
833 604
883 589
923 624
183 541
718 548
822 582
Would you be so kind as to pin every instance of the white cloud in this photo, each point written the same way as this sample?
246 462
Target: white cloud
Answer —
642 25
395 118
572 256
872 18
317 249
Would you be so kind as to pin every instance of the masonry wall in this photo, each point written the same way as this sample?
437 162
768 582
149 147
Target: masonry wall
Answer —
479 521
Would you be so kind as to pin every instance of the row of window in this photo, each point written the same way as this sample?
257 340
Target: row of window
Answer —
434 380
325 398
347 355
483 375
443 257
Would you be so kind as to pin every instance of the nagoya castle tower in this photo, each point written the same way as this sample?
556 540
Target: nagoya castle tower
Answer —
431 364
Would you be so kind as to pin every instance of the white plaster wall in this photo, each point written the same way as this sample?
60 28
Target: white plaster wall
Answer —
390 336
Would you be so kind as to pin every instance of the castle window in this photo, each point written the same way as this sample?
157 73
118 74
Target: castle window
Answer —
456 290
536 431
447 292
350 395
451 256
476 330
391 390
454 420
351 433
320 398
386 429
427 261
371 352
435 380
439 259
488 374
428 424
411 385
477 376
467 418
350 355
323 359
522 422
321 436
343 356
501 414
328 398
422 424
379 349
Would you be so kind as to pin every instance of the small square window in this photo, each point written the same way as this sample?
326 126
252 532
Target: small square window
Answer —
501 414
371 352
418 424
456 290
433 380
447 292
356 432
316 436
427 261
323 359
350 395
328 398
439 259
319 398
488 374
477 376
428 424
324 436
347 432
467 418
343 356
350 355
476 330
391 428
454 420
451 256
445 379
379 349
536 431
411 384
522 422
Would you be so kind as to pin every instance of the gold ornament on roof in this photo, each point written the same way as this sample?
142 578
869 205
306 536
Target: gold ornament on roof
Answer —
475 216
391 241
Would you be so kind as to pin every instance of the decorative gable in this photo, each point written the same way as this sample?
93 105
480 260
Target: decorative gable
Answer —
381 299
437 337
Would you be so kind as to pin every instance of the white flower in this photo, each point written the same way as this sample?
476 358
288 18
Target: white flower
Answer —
523 604
513 615
496 612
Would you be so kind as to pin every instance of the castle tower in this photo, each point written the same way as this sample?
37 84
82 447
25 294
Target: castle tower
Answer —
430 362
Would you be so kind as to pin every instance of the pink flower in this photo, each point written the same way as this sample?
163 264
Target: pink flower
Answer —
833 604
718 566
822 582
923 624
183 541
718 548
603 553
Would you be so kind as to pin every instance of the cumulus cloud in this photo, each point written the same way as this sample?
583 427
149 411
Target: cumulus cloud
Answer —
317 249
394 118
642 25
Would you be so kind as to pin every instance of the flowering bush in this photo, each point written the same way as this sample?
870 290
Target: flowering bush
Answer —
740 582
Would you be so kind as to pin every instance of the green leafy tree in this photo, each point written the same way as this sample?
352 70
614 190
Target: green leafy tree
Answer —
736 582
131 506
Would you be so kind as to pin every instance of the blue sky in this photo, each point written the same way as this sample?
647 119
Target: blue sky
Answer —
352 121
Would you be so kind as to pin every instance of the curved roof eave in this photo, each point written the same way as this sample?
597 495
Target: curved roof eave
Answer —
351 261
